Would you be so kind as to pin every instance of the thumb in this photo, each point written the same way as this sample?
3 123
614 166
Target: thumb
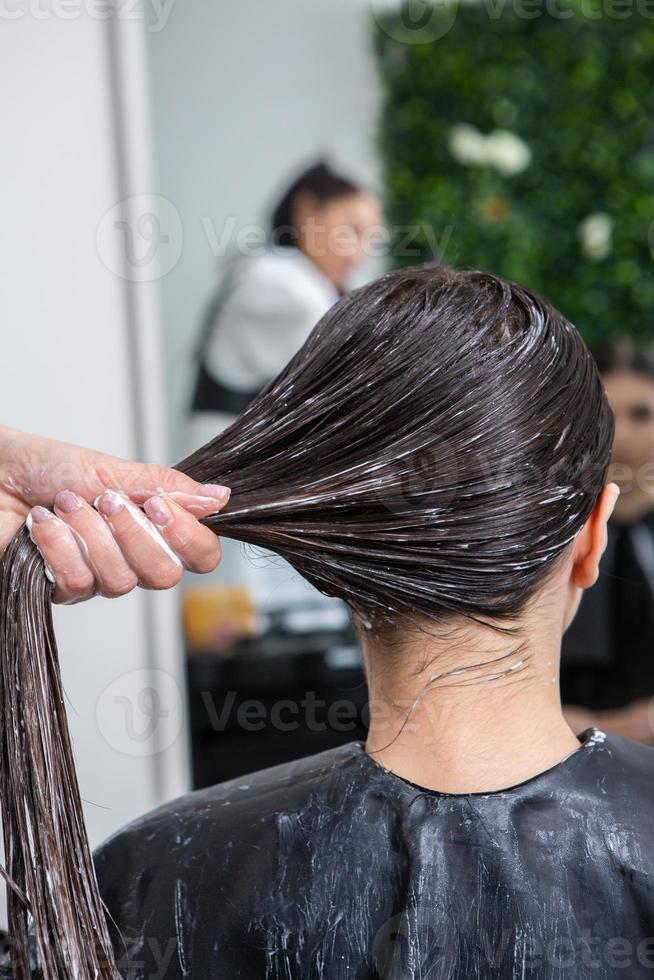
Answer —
142 480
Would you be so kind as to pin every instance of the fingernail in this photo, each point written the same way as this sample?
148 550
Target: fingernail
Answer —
109 503
67 501
38 515
158 512
215 491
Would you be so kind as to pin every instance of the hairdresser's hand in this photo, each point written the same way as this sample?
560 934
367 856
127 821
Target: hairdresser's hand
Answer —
81 507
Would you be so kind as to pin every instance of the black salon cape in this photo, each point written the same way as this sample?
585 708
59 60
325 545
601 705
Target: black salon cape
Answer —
335 868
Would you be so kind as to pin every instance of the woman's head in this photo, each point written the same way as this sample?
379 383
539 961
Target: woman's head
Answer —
429 453
627 369
327 216
431 450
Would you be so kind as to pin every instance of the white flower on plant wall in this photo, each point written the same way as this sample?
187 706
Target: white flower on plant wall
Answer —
467 145
501 149
596 235
507 152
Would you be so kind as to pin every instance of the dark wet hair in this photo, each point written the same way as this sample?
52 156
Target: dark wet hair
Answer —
320 180
625 354
430 452
436 443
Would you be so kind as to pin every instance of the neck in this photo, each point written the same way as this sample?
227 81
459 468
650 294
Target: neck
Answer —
467 714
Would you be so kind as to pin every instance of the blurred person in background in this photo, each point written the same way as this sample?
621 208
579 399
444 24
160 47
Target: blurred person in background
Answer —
267 304
607 676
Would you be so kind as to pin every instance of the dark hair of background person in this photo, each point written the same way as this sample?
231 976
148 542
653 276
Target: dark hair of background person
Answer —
319 180
429 453
624 354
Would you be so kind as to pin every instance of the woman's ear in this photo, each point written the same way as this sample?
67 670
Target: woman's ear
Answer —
305 205
591 540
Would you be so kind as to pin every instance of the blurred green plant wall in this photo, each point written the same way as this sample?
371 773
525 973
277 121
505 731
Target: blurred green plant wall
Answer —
519 137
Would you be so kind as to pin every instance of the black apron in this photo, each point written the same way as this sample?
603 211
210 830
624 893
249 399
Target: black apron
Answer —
209 394
332 868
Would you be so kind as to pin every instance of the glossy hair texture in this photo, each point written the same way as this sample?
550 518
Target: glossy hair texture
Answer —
432 448
319 180
430 452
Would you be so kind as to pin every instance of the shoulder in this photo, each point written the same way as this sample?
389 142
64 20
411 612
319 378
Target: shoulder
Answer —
236 810
283 274
201 876
232 842
628 764
273 263
614 780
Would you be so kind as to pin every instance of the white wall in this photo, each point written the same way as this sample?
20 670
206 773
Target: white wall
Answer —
71 368
243 94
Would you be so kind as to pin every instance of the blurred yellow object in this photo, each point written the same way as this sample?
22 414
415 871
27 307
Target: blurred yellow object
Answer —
216 615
